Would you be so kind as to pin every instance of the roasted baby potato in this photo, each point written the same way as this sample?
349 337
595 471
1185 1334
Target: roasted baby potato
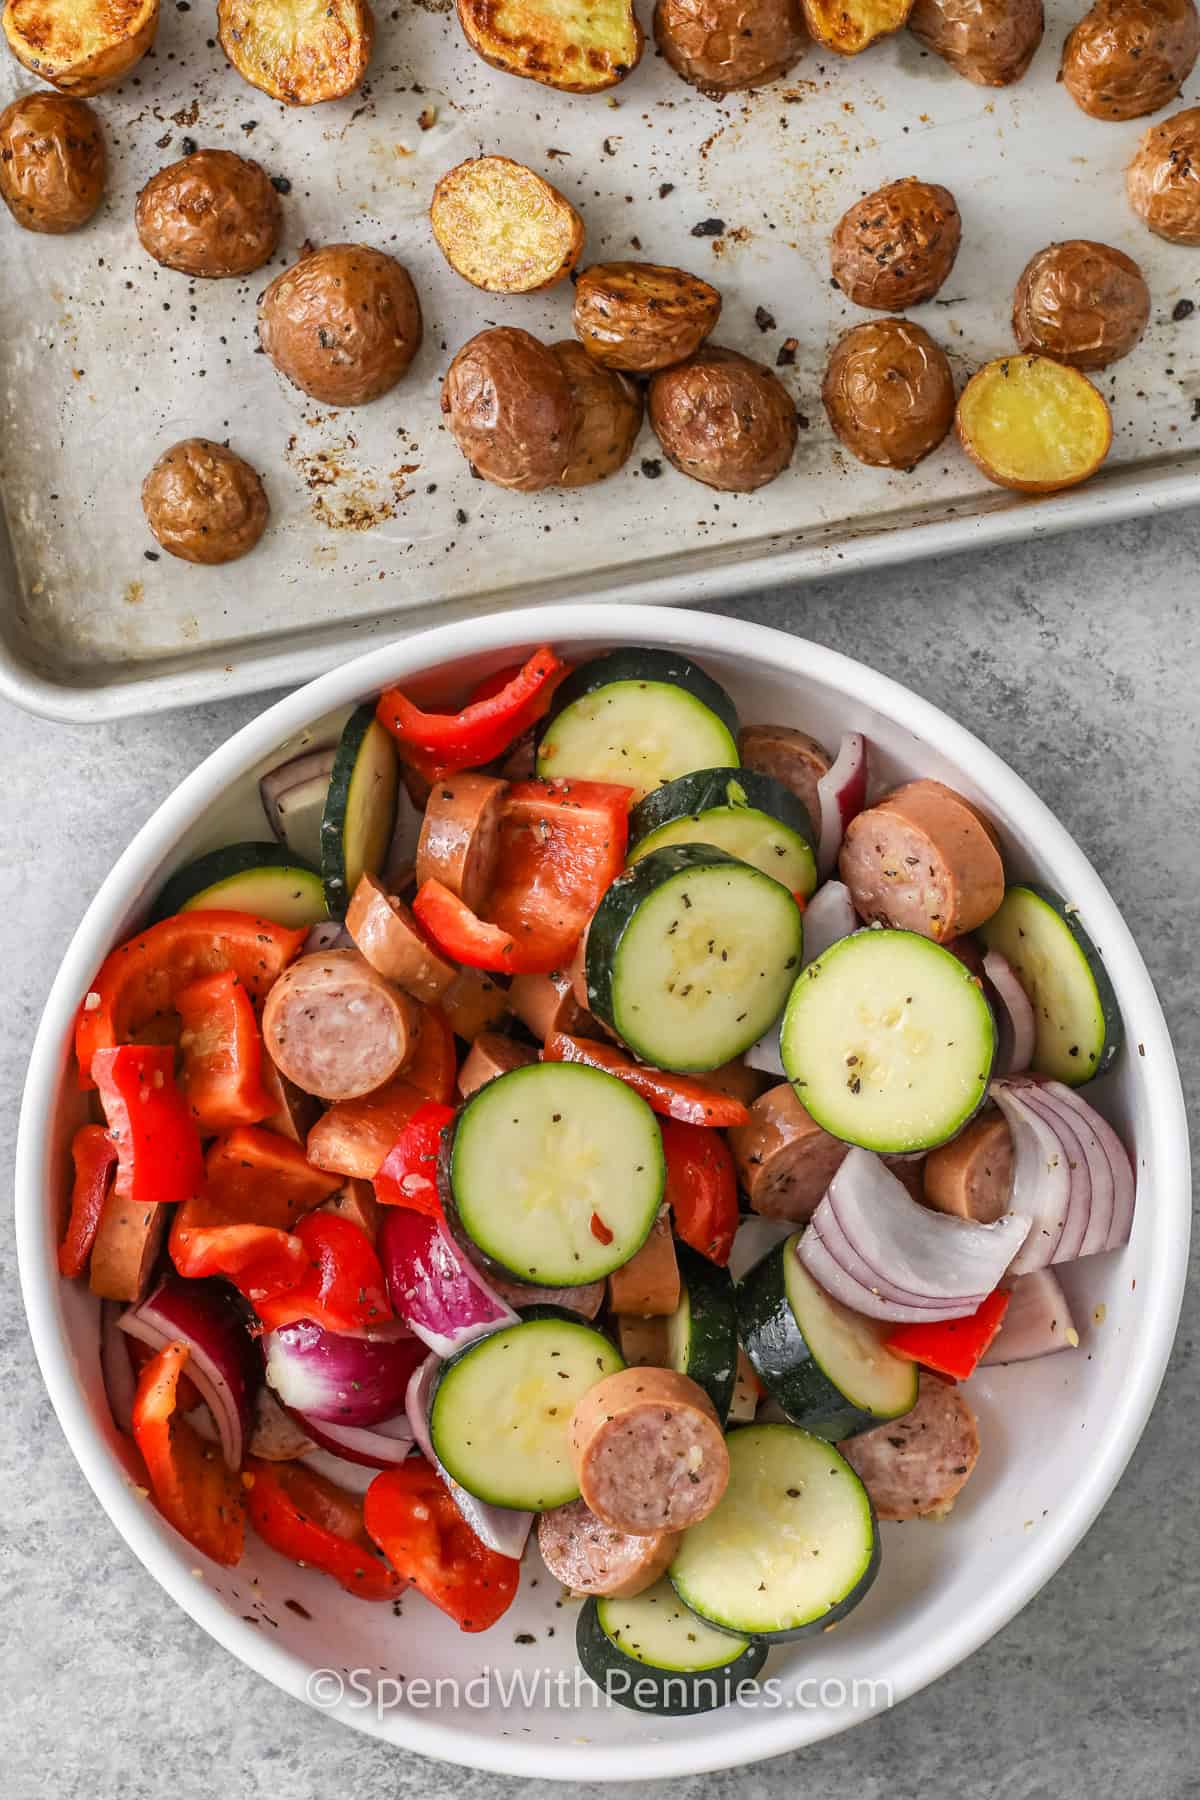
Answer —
503 228
1082 303
209 214
723 419
508 401
723 45
580 46
990 42
343 323
848 26
298 51
203 503
895 247
607 417
1033 424
1163 180
889 393
1129 57
80 46
52 161
642 316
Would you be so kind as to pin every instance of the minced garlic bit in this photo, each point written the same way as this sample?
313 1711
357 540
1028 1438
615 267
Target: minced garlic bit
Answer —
1100 1314
91 1002
1072 1337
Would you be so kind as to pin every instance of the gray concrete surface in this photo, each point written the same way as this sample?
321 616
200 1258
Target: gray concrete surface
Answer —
1079 661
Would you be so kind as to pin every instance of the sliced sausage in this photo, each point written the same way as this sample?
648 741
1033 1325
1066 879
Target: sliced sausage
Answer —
922 860
737 1079
353 1138
335 1027
792 757
474 1002
649 1282
276 1437
910 1170
389 937
128 1240
294 1113
460 836
586 1300
648 1452
589 1557
547 1003
492 1054
645 1342
355 1201
914 1467
785 1161
971 1176
577 974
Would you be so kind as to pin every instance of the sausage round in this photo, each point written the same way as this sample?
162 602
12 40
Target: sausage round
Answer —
915 1467
490 1055
792 757
336 1028
460 836
648 1284
128 1240
389 937
648 1451
586 1300
923 860
589 1557
546 1004
473 1003
355 1201
785 1161
971 1176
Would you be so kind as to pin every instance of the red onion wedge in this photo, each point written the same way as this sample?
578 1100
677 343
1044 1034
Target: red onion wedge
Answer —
439 1294
382 1446
842 792
281 788
828 918
499 1527
878 1251
1071 1173
343 1380
1038 1321
327 934
1015 1022
1119 1161
222 1359
1041 1185
116 1366
756 1234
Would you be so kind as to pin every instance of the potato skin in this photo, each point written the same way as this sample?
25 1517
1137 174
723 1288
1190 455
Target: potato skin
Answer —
508 402
642 316
52 162
989 42
607 416
1163 179
204 503
1129 57
503 228
723 45
84 47
1082 303
723 419
343 324
895 247
889 393
210 214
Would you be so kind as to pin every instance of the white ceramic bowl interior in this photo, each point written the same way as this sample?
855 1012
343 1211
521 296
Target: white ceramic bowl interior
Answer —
1056 1434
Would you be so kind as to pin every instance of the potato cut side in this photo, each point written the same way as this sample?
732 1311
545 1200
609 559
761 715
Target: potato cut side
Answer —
503 228
298 51
577 45
1034 424
848 26
80 46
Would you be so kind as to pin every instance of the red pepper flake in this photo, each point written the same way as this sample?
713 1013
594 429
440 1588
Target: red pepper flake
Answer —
599 1229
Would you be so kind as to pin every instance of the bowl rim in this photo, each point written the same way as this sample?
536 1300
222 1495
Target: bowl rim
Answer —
751 1736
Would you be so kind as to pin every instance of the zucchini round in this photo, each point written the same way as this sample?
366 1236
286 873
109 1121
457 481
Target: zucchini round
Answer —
752 816
1078 1021
654 1656
360 807
702 1338
263 879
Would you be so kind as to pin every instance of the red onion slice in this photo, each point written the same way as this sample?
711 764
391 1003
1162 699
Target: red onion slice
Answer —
1077 1223
1119 1160
116 1366
766 1054
327 934
382 1446
844 1251
828 918
439 1294
499 1527
586 1300
1037 1323
842 792
343 1380
1100 1173
1015 1022
313 765
1041 1184
756 1234
222 1358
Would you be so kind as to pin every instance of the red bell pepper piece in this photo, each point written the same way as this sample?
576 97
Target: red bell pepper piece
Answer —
440 743
95 1156
192 1487
158 1146
673 1096
315 1523
952 1347
354 1136
701 1188
420 1530
222 1054
462 935
342 1287
433 1071
409 1175
140 979
240 1225
187 1394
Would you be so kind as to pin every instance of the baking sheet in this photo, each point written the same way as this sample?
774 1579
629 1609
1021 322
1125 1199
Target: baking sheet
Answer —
377 523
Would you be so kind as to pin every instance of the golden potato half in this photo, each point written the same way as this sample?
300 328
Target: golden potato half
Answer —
848 26
1033 424
989 42
579 46
1129 57
608 417
298 51
503 228
80 46
642 316
1163 180
52 161
722 46
1083 303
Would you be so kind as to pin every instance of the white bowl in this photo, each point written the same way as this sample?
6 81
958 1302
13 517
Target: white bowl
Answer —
1056 1434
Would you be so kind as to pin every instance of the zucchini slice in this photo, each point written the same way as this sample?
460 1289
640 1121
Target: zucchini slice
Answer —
702 1340
263 879
360 807
654 1656
555 1172
690 956
1079 1029
793 1545
827 1367
752 816
889 1041
638 717
501 1410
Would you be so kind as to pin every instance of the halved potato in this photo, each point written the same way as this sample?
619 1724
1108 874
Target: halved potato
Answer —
848 26
608 416
1033 424
298 51
580 46
503 228
80 46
